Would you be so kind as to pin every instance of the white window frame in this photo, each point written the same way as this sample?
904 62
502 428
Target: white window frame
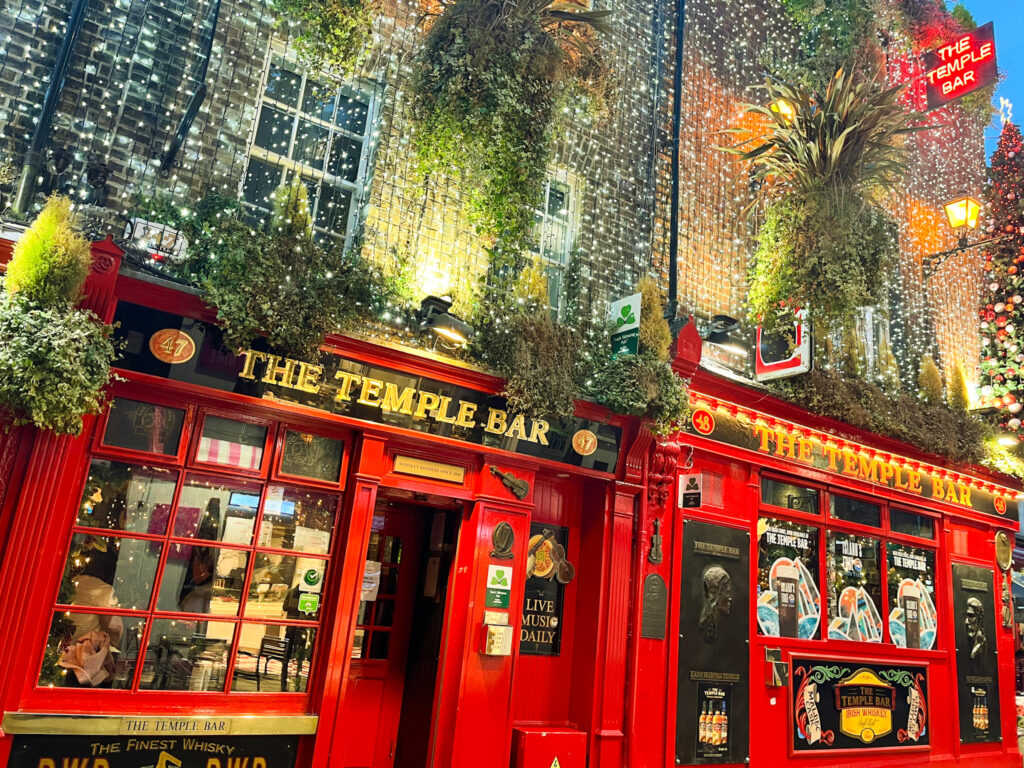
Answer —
544 220
358 189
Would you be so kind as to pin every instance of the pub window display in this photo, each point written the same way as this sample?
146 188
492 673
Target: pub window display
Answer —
913 618
854 588
788 599
184 581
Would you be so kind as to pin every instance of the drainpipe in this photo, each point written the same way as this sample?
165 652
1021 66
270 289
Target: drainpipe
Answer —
34 160
196 100
677 119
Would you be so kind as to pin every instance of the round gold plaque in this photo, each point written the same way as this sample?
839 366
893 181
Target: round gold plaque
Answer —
1004 551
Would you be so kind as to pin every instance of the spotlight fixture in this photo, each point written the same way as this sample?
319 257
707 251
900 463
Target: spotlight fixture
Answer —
448 329
719 332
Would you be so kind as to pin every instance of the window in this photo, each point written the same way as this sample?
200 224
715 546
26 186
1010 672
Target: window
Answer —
553 234
317 131
192 578
866 573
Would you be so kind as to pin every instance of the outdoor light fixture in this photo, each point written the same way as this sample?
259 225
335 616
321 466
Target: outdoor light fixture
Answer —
962 213
449 329
784 109
1007 441
718 332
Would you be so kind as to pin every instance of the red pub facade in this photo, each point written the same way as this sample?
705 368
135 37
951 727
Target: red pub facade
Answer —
365 560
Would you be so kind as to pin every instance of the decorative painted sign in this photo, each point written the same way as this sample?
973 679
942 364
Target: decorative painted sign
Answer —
624 316
370 393
714 651
845 705
961 67
977 670
779 355
167 750
801 446
171 346
541 632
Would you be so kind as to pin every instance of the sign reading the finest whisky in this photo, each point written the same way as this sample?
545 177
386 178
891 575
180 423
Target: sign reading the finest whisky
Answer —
842 705
801 446
167 750
367 392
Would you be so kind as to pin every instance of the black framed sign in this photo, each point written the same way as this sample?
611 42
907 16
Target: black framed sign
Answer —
714 655
541 633
977 673
166 750
850 705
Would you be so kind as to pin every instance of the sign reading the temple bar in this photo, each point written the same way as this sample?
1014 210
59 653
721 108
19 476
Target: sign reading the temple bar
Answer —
358 390
844 705
168 750
541 633
807 447
961 67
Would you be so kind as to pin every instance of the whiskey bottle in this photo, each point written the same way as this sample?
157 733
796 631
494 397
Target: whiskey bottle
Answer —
725 726
716 727
702 727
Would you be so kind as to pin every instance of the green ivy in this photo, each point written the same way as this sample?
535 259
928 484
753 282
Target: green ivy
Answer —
642 385
330 35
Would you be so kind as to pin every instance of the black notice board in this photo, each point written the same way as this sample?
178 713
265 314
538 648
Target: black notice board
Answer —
544 597
154 751
977 672
844 705
714 654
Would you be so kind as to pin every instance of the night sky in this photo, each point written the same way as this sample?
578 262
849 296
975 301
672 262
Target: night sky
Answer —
1009 27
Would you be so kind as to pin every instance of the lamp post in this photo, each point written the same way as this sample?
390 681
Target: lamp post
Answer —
962 214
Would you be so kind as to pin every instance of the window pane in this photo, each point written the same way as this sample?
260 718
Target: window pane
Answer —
203 580
297 519
332 210
273 658
854 584
311 144
788 600
285 587
274 130
187 655
780 494
352 114
558 201
88 650
144 426
312 456
261 179
855 511
283 84
344 161
127 497
232 443
217 510
913 618
319 100
384 613
109 572
911 524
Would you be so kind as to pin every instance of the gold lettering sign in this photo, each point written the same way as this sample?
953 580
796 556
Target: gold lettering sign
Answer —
450 473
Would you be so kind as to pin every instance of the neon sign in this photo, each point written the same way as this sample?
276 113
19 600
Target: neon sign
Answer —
960 67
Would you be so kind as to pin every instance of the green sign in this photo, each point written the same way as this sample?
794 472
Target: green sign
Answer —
625 319
499 586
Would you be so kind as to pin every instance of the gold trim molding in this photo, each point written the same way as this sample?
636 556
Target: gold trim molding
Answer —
149 725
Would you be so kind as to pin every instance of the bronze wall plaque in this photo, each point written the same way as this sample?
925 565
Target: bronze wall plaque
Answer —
974 624
502 540
1004 551
654 610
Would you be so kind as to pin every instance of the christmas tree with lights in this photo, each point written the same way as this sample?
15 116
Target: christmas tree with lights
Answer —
1002 317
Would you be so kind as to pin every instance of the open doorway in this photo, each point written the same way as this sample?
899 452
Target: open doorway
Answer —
392 687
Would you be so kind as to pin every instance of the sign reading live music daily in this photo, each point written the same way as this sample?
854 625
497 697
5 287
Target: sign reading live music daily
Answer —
844 705
181 349
961 66
154 751
806 447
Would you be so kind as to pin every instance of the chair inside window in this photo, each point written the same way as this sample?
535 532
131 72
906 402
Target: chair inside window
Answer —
272 649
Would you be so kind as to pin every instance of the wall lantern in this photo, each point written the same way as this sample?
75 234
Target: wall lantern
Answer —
434 317
785 110
962 213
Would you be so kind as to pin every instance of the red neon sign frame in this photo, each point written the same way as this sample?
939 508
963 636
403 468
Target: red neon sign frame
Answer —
960 67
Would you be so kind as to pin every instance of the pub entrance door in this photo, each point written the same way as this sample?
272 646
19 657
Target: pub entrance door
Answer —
390 697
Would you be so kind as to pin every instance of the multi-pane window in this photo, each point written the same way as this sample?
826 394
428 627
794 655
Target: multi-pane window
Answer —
197 571
862 571
317 131
552 235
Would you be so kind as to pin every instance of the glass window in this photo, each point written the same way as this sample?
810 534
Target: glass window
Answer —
855 511
911 524
553 233
285 587
232 443
272 657
297 519
854 587
315 130
216 509
109 572
127 497
312 456
781 494
203 580
187 655
144 427
91 650
913 618
788 599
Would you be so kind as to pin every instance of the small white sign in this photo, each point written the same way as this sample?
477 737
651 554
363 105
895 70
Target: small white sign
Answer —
499 577
371 581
